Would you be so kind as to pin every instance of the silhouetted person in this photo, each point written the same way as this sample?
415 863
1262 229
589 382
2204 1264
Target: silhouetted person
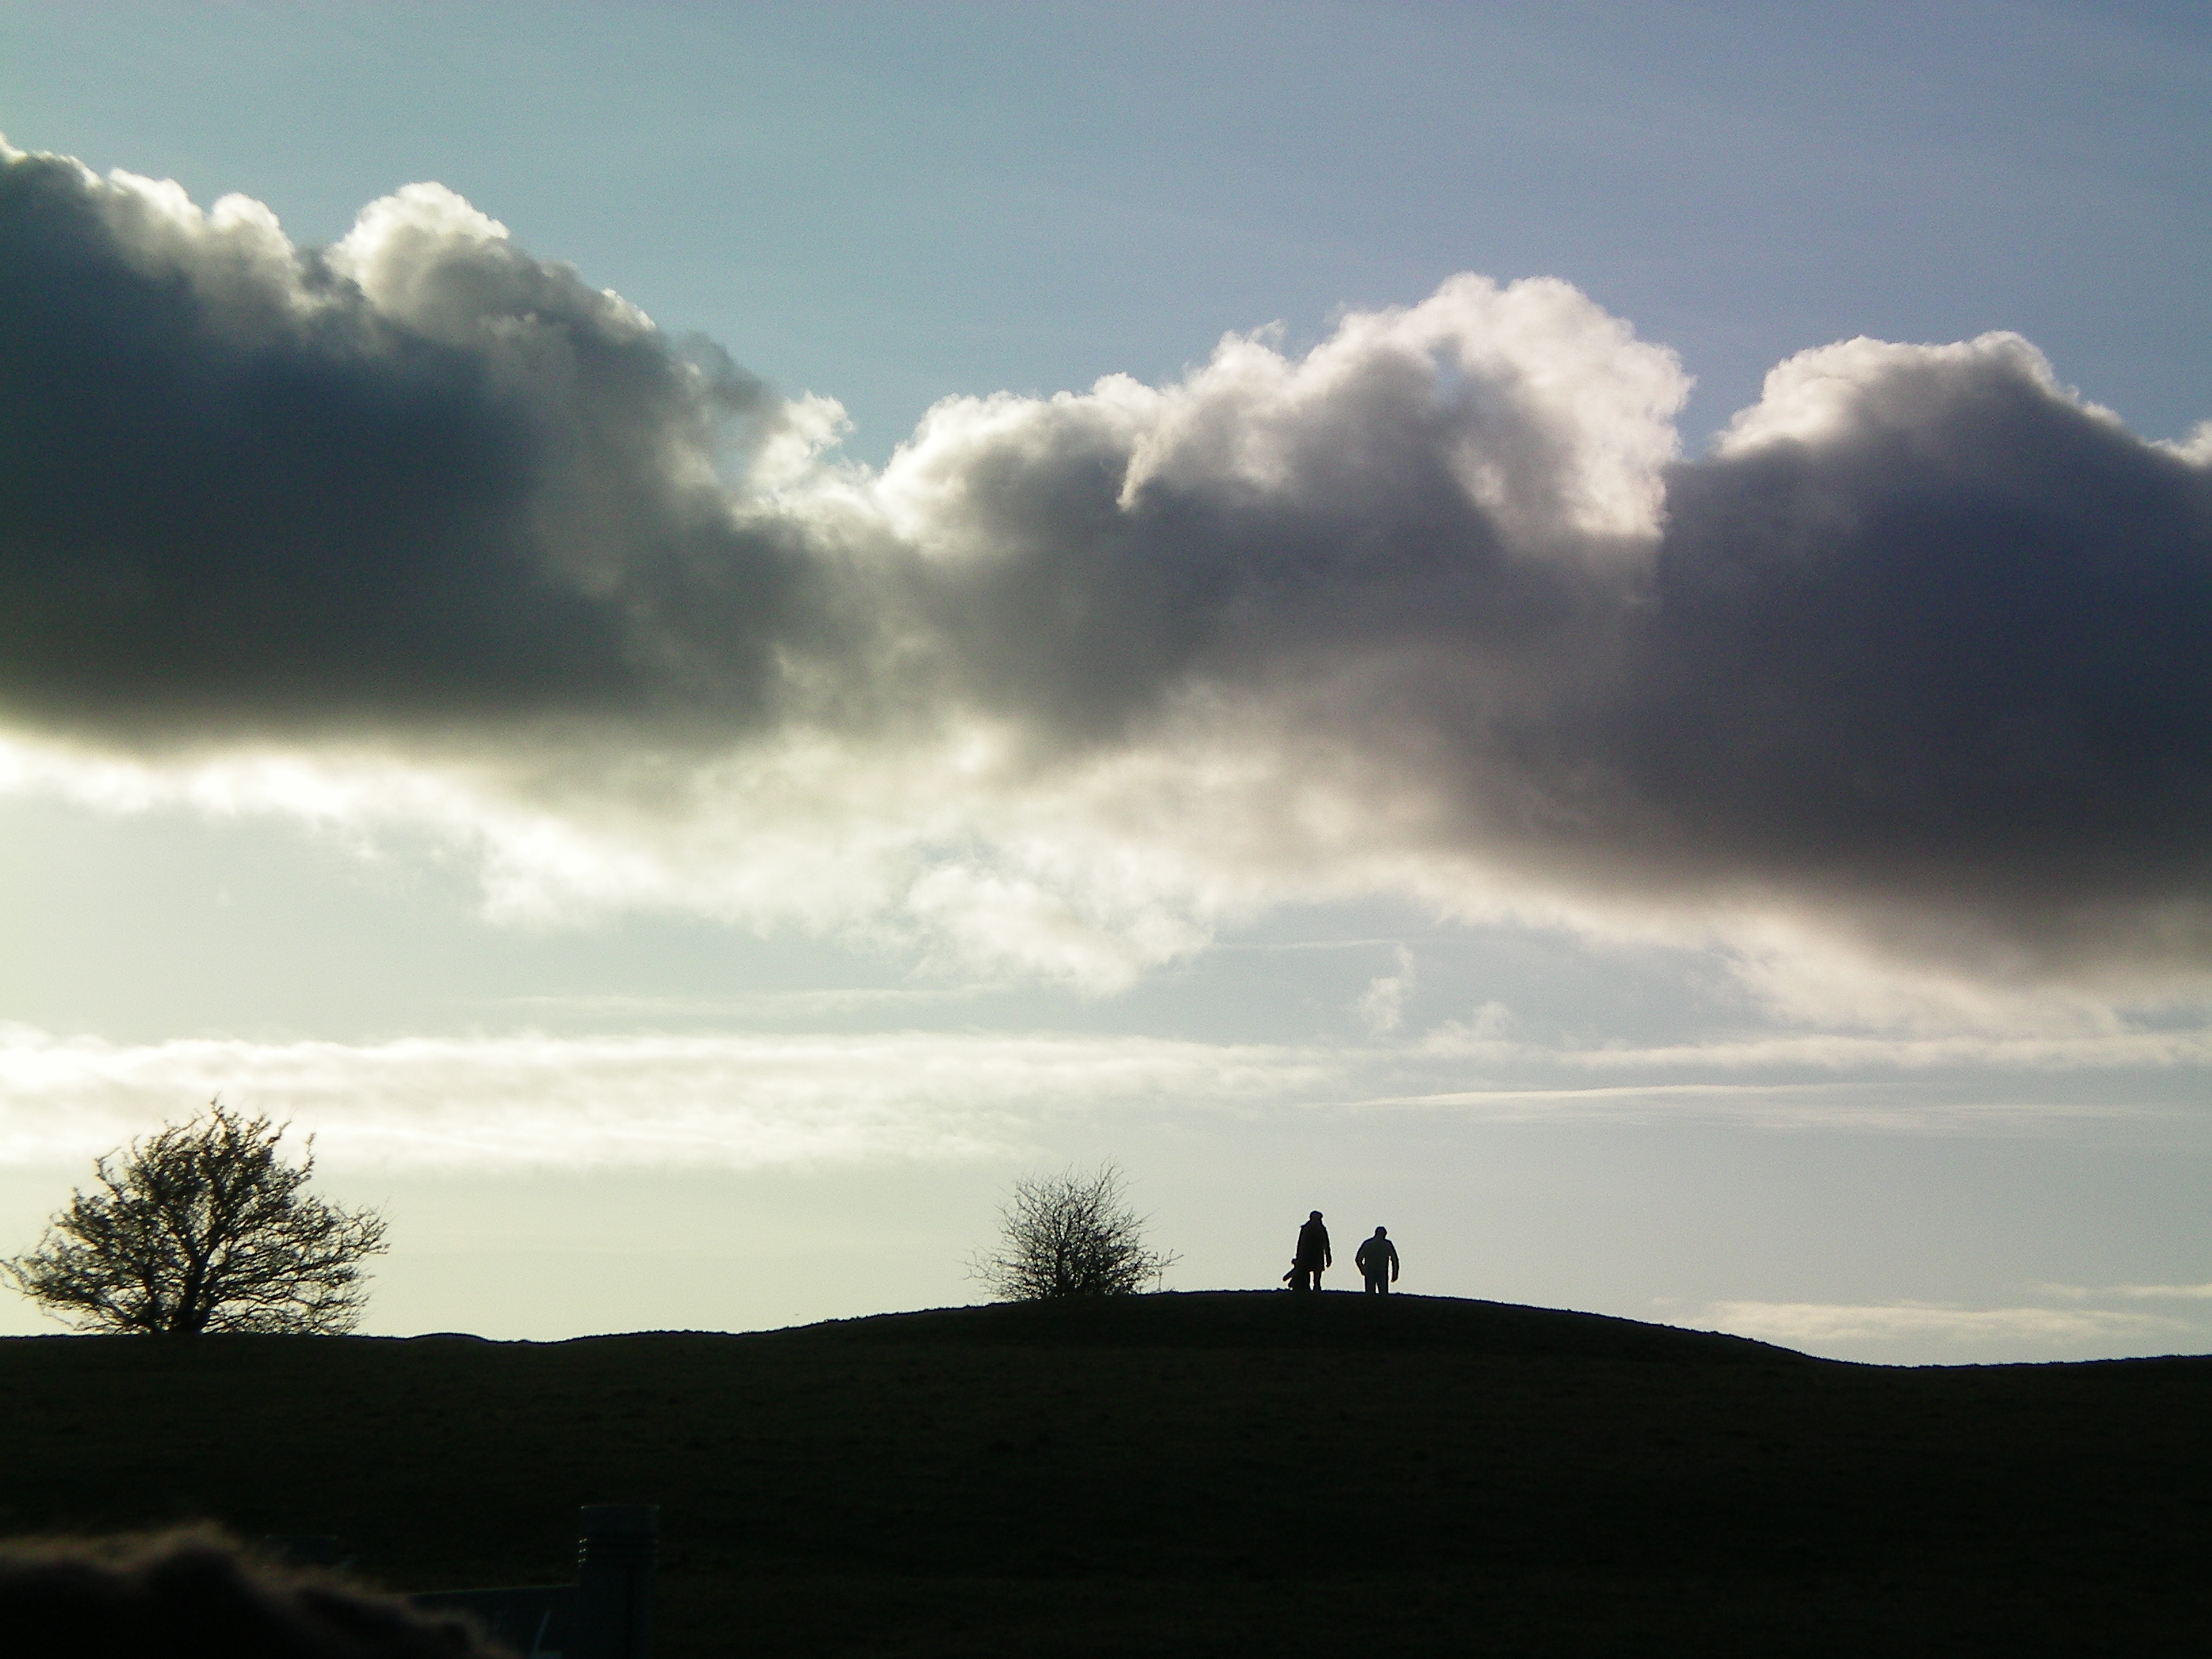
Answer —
1313 1256
1377 1259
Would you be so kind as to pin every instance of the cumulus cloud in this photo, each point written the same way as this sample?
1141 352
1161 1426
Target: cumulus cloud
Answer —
422 528
1381 1006
414 477
1931 635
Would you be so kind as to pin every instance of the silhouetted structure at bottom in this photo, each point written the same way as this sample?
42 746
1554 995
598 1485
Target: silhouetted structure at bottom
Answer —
198 1594
607 1613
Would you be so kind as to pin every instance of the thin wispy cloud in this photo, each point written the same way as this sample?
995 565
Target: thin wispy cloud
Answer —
2130 1292
1823 1326
1856 1107
2153 1049
780 1006
531 1101
742 1099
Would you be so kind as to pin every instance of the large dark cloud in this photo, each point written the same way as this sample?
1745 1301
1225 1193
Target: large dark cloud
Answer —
422 474
1926 643
1962 640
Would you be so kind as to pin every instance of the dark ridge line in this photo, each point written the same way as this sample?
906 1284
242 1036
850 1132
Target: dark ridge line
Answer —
1259 1320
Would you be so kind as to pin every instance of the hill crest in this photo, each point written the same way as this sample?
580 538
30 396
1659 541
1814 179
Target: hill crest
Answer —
1283 1319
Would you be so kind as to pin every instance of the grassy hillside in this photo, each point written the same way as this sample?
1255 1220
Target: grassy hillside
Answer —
1220 1472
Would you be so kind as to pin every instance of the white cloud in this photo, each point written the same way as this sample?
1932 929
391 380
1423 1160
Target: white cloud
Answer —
529 1101
1854 1107
742 1099
1381 1006
1784 1054
2130 1292
1819 396
2197 447
1817 1325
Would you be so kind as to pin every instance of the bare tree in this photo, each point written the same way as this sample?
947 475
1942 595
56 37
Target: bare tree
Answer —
1070 1234
201 1227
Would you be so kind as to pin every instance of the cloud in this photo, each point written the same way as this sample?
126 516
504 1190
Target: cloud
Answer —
1818 1325
2144 1051
421 529
1858 1107
416 477
529 1101
1930 633
1381 1007
2132 1293
738 1099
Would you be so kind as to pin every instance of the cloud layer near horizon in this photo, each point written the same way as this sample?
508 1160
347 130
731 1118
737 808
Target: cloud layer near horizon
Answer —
725 1100
421 529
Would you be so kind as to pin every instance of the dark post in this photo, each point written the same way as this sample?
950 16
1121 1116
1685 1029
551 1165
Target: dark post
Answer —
614 1580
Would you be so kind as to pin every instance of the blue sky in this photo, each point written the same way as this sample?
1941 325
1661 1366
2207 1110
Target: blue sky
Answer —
770 1029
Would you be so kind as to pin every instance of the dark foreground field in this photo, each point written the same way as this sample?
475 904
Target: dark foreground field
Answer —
1204 1474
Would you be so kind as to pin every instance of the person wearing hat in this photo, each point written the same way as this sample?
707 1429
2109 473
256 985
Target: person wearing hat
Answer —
1313 1255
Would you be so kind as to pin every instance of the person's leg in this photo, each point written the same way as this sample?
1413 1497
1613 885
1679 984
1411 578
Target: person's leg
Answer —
1381 1284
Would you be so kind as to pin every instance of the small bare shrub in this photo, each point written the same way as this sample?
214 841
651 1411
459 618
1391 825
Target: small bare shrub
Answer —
1070 1234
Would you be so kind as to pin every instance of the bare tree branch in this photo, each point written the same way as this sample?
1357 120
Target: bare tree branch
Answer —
201 1227
1070 1234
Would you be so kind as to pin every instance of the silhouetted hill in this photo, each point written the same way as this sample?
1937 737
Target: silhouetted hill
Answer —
1226 1472
1263 1319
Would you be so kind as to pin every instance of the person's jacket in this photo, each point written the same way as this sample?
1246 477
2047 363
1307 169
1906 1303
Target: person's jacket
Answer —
1376 1257
1313 1245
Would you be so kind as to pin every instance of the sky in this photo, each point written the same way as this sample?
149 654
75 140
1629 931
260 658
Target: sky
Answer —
696 635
